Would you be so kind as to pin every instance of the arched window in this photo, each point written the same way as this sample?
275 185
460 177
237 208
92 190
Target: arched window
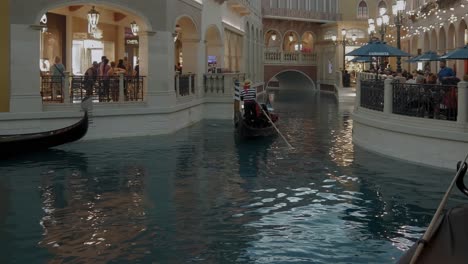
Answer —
362 10
382 7
354 31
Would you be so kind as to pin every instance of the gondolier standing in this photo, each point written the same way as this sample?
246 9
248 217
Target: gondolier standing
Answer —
249 96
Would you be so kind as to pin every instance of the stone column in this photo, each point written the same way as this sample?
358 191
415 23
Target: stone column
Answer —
202 69
388 96
190 48
25 78
120 47
5 53
157 64
69 46
462 117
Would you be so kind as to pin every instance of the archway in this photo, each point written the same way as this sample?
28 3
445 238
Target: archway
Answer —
214 49
433 43
462 39
186 39
291 79
291 42
112 38
452 38
426 42
442 41
68 39
273 40
307 42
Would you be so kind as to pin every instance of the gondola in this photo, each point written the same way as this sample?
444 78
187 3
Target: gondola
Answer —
447 236
11 145
261 128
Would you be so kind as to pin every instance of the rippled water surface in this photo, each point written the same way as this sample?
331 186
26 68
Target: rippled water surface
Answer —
202 196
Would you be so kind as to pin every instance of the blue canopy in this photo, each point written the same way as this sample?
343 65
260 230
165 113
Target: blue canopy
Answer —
458 54
378 49
362 59
428 56
413 60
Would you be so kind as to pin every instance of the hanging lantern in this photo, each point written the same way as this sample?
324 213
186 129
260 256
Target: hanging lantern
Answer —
93 19
177 32
44 23
273 36
135 28
291 37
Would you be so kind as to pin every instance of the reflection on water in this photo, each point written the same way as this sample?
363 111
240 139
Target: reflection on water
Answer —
203 195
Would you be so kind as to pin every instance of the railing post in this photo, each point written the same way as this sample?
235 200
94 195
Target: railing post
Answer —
177 85
388 96
66 88
121 88
357 100
190 84
462 117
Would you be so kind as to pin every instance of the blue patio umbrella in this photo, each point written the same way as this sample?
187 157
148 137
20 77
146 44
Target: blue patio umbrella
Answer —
458 54
413 60
378 49
427 56
362 59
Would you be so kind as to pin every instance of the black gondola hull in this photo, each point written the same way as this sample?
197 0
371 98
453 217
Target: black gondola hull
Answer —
244 130
11 145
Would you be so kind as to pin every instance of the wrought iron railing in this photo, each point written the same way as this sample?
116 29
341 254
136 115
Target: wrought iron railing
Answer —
372 94
52 89
101 89
425 100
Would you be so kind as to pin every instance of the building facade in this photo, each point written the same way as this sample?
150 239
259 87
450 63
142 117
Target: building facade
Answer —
180 60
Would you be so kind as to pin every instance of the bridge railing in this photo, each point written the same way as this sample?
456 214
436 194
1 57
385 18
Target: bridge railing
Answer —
290 58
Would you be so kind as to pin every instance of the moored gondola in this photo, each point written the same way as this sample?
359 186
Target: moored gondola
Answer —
11 145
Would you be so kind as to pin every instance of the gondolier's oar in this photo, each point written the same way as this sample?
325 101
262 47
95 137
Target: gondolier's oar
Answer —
428 234
273 124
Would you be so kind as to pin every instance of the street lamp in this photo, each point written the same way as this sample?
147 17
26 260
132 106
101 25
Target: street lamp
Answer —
371 29
398 8
344 42
383 22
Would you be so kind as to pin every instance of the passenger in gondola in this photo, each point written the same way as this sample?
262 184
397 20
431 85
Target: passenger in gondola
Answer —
249 96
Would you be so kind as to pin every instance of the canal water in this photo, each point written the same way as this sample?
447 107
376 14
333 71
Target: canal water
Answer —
202 196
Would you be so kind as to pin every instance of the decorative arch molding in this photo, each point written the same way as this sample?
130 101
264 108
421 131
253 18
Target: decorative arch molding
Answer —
460 33
197 34
286 34
140 17
216 28
292 70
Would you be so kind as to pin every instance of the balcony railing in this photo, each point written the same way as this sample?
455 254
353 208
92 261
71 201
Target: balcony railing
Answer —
299 58
184 84
372 94
301 14
221 84
429 101
73 89
425 100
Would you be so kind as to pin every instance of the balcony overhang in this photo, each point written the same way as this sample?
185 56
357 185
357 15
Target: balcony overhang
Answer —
239 7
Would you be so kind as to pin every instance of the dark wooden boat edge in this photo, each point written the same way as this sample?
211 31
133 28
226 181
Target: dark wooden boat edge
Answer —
24 143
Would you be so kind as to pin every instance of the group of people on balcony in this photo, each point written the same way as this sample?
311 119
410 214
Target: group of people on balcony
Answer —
100 73
428 94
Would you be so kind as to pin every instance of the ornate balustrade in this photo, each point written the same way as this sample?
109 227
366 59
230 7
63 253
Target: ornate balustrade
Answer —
287 58
221 84
300 13
372 94
185 84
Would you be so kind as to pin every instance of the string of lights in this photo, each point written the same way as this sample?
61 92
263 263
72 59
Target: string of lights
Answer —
438 17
